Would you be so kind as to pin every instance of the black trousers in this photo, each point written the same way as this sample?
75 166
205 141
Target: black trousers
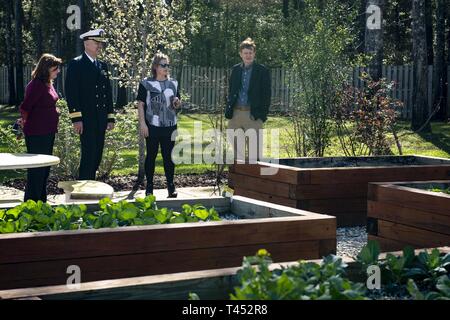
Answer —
92 143
160 136
36 188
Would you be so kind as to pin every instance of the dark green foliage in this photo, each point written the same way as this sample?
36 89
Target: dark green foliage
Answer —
303 281
428 270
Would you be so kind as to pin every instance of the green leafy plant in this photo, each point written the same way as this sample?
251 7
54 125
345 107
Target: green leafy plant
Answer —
39 216
420 274
369 254
442 293
447 191
303 281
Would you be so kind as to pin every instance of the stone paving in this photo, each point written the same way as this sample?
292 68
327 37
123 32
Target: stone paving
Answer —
10 197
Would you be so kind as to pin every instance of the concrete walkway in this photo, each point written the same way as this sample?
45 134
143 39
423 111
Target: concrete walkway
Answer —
161 194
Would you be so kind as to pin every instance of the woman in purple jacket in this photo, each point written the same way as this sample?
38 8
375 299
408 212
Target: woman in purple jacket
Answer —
40 121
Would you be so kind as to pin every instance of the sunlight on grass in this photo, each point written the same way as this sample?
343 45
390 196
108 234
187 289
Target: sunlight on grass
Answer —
436 144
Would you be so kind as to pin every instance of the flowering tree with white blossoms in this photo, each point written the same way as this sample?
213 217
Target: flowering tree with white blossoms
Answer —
136 30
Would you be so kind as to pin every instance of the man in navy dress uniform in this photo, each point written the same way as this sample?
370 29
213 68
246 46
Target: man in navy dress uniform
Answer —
89 98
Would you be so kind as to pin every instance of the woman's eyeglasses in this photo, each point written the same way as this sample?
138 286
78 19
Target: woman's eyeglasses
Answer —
164 65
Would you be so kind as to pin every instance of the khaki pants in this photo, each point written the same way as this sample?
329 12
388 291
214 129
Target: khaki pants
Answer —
242 119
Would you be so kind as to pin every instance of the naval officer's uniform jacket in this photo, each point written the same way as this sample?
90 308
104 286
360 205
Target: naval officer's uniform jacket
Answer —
89 98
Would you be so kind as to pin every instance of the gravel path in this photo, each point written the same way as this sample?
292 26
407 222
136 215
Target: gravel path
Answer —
350 241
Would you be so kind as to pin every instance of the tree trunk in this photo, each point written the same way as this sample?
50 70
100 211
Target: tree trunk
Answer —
39 40
10 53
374 37
58 50
420 74
397 36
285 9
121 100
18 12
439 83
141 141
429 30
447 59
299 5
78 43
361 26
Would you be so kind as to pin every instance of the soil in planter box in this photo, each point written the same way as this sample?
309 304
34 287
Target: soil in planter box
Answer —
347 162
434 186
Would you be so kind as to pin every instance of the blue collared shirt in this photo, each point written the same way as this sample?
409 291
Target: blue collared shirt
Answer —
243 92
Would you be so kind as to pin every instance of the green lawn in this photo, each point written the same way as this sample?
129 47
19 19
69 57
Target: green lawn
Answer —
436 144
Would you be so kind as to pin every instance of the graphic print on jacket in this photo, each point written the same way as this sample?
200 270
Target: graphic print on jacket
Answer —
159 108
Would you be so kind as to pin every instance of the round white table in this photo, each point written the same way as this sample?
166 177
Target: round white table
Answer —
13 161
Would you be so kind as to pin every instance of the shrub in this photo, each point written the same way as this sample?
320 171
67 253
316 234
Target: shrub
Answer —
124 136
67 144
364 117
317 53
9 140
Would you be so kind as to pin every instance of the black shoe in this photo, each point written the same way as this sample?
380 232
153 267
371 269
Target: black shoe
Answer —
149 189
172 192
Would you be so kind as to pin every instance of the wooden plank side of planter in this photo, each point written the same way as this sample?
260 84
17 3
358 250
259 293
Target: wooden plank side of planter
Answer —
121 266
260 185
265 197
422 219
24 247
209 284
326 247
379 174
411 198
333 206
344 219
350 219
329 191
284 174
388 244
415 236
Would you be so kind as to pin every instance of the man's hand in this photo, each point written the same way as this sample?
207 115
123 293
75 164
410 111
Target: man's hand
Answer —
110 126
78 127
143 130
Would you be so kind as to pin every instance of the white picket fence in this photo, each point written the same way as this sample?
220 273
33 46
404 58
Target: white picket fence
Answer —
206 87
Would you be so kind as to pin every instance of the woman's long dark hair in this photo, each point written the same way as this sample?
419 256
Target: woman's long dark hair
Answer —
42 70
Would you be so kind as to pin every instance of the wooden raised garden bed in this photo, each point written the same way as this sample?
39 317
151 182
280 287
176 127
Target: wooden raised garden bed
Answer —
336 186
42 258
215 284
407 213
